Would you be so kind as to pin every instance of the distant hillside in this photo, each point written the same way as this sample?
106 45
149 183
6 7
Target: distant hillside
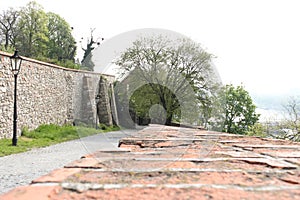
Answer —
270 106
274 101
270 102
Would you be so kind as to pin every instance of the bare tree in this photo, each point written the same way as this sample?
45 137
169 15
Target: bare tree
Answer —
8 21
292 110
90 46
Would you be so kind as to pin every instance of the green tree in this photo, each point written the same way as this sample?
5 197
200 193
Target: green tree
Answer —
61 45
32 38
36 34
240 113
142 100
175 72
258 129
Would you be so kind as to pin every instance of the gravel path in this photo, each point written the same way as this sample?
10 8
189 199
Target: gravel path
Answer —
21 169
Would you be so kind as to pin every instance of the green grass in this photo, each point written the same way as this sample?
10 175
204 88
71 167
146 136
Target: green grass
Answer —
46 135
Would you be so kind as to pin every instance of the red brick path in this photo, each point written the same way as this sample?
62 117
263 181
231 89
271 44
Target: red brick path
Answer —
163 162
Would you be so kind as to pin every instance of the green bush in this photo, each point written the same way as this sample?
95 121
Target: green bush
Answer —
52 132
257 129
108 128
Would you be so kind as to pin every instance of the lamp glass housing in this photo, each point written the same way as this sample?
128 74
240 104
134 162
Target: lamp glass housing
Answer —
15 61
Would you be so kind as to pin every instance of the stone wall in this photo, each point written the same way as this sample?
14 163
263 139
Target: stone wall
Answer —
46 94
104 106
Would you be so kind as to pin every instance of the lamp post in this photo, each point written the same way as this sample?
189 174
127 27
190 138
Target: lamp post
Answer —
15 61
97 98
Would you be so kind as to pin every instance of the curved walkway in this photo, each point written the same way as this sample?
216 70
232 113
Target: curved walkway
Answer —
21 169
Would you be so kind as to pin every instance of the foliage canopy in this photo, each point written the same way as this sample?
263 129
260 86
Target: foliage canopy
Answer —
240 113
37 34
176 74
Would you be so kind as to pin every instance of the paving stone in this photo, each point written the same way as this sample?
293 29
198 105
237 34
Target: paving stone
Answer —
57 175
158 143
31 192
218 134
209 163
293 160
282 154
291 179
83 163
270 162
241 178
269 170
168 193
240 154
82 187
296 147
261 160
163 162
229 141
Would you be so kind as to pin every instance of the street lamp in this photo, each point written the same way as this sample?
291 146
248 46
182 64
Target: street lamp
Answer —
15 61
97 98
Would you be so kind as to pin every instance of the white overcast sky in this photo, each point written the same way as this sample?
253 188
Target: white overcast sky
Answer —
256 42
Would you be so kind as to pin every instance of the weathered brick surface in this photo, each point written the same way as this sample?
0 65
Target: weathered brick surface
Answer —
57 175
177 163
31 192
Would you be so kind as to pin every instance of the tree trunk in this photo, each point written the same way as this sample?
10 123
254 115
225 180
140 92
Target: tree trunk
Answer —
169 119
6 41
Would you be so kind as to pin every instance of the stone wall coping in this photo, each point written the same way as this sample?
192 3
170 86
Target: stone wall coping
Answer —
53 65
167 169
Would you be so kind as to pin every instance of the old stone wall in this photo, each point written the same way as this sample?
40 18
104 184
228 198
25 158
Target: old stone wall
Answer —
46 94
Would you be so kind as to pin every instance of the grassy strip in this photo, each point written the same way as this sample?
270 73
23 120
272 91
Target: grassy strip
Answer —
46 135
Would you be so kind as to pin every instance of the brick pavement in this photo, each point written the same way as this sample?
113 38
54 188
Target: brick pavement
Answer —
161 162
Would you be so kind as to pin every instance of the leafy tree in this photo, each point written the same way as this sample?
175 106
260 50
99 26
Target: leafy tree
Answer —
32 38
240 113
39 35
258 129
61 45
174 72
142 100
